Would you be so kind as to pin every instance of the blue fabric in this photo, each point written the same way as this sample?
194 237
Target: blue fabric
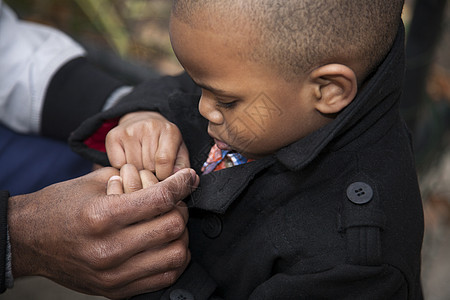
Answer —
29 163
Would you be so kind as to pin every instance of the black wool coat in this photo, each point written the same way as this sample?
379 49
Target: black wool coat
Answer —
335 215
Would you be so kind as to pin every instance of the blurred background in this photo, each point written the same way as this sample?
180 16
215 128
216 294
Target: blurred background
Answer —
130 38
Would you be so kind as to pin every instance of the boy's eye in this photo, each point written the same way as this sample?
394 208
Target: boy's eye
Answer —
226 105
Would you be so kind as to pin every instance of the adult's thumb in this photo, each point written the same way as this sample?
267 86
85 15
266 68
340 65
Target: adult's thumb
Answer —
179 185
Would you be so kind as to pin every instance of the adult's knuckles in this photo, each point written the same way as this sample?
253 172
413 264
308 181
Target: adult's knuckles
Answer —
183 211
110 282
103 255
174 226
97 218
170 277
177 255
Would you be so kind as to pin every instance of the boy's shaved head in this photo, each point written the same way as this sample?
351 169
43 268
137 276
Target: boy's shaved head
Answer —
296 36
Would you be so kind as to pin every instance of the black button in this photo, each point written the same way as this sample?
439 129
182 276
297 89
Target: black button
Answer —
212 226
180 294
359 192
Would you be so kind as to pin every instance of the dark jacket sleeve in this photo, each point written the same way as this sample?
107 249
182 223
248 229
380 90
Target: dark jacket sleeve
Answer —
4 196
153 95
77 91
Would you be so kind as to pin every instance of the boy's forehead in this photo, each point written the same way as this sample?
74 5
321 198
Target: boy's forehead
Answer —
198 44
213 49
225 32
215 17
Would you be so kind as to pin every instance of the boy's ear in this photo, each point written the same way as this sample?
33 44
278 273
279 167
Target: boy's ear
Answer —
335 87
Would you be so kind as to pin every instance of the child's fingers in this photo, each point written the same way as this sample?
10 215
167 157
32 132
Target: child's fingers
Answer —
182 160
147 178
114 149
131 179
133 153
123 149
166 155
149 147
114 186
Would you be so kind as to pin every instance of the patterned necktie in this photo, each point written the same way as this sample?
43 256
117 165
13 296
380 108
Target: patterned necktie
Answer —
220 159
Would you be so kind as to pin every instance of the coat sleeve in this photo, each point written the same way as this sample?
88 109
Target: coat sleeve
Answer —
88 139
77 91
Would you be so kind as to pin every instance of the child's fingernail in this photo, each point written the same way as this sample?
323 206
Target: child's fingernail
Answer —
115 177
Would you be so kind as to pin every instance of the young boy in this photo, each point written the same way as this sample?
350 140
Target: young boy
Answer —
328 205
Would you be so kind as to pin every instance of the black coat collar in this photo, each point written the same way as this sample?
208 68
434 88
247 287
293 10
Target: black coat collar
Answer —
379 94
219 189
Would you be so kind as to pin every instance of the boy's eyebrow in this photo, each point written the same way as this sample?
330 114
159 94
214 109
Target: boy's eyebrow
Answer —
211 88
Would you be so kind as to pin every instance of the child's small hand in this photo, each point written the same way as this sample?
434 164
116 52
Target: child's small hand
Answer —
130 180
149 141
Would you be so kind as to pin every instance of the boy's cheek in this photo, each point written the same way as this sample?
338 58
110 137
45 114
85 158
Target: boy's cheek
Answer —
239 135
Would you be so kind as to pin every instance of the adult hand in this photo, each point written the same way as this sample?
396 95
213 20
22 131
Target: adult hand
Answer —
111 245
149 141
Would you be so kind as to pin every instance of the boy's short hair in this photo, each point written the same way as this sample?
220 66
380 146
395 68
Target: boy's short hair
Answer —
298 35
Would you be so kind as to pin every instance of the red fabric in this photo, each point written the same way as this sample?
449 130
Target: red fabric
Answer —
97 140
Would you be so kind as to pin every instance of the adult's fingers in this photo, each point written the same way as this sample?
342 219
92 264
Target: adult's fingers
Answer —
153 201
148 270
158 259
155 232
142 236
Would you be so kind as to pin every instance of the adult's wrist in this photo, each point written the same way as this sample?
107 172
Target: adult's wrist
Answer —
21 235
4 196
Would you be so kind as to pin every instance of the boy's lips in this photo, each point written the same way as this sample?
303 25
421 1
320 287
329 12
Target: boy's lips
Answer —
221 145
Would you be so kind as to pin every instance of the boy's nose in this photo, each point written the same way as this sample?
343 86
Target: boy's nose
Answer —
207 109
